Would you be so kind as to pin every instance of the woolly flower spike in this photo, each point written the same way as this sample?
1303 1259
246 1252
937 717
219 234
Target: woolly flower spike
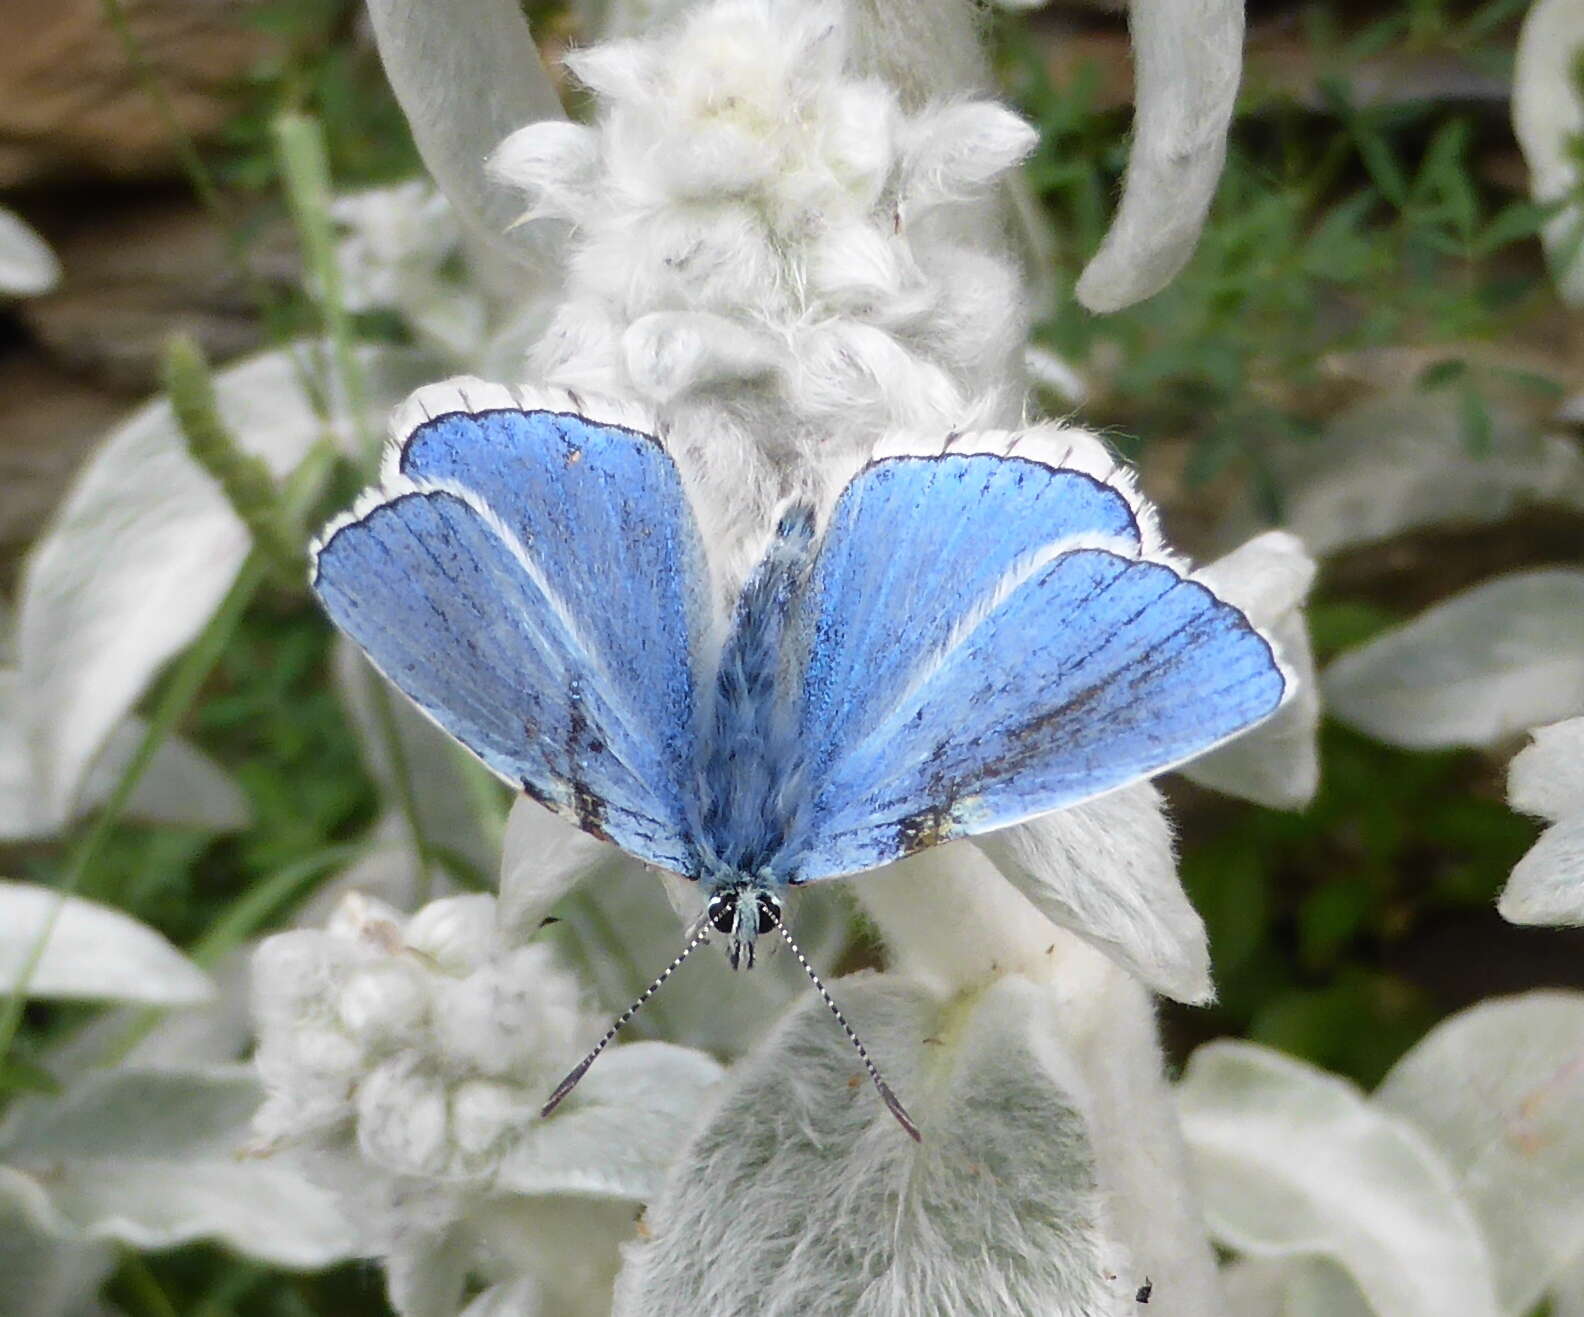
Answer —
407 1059
1547 780
748 210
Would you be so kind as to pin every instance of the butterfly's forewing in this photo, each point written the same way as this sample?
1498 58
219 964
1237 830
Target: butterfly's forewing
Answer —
986 644
530 578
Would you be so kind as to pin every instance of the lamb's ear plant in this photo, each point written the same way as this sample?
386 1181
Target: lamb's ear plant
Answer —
784 231
788 228
141 1155
1452 1187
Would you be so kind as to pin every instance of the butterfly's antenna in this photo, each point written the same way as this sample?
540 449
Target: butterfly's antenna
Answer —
700 935
893 1105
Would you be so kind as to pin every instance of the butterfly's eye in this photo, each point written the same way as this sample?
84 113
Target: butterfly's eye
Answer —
769 912
723 911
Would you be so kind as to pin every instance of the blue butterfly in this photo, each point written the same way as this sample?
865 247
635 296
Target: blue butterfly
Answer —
972 636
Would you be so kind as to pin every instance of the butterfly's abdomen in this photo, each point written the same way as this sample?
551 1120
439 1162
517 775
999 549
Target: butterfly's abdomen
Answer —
748 745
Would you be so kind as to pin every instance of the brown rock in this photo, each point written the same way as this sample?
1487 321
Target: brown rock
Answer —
48 423
71 104
135 274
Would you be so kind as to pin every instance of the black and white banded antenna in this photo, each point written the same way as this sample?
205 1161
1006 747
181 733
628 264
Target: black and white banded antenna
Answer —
893 1103
699 937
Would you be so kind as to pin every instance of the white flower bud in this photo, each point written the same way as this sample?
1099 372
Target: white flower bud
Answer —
483 1114
515 1016
326 1055
402 1115
296 974
384 1003
553 160
956 151
457 933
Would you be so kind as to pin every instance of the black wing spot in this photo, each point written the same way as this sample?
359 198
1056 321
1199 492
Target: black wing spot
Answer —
919 831
590 811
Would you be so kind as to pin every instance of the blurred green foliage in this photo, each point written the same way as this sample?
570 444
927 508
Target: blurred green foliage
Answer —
1338 226
322 69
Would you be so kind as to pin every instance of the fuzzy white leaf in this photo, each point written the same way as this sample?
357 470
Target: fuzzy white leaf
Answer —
619 1132
427 1277
138 1114
800 1193
615 19
1278 763
1546 777
151 1158
669 353
518 1298
1187 57
141 551
1499 1090
565 1249
554 162
1293 1162
951 922
92 951
1567 1299
1548 118
1291 1287
1401 460
262 1210
437 57
1107 1022
1256 1287
27 266
44 1270
1547 885
542 859
218 1032
1482 665
1318 1288
560 1252
450 806
181 785
1105 870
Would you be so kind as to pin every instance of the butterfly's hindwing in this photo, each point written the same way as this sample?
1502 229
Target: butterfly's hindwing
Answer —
530 580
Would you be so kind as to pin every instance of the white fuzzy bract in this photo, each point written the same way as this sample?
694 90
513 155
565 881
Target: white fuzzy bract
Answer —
768 247
381 1028
1547 780
405 1061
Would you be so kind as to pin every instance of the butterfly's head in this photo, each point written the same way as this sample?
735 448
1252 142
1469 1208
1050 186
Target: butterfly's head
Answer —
743 914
